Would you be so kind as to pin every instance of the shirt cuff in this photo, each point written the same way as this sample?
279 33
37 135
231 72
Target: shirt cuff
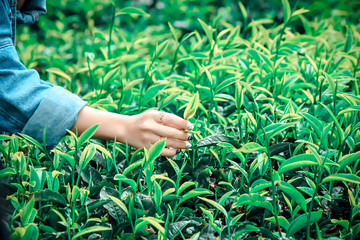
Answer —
56 113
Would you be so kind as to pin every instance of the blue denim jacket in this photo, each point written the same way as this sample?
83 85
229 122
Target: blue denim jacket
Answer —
28 104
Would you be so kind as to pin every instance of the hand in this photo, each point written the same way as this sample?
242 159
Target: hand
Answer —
141 130
145 129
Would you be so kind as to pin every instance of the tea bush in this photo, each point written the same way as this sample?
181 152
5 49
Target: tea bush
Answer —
271 88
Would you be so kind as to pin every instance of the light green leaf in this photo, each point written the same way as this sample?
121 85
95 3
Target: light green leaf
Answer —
314 123
208 31
216 205
155 151
7 172
152 91
192 106
283 222
142 222
87 134
194 193
184 186
90 230
337 124
124 179
133 10
287 10
342 177
173 32
348 159
120 204
87 155
297 161
253 200
59 73
133 166
243 10
251 147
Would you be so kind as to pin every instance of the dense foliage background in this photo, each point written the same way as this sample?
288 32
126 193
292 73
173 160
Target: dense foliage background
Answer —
272 88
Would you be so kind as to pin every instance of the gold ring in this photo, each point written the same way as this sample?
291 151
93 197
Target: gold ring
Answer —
161 117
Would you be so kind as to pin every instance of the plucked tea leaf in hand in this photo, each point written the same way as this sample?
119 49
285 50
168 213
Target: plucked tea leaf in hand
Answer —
192 106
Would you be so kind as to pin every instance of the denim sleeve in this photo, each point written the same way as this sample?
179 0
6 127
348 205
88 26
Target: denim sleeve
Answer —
28 104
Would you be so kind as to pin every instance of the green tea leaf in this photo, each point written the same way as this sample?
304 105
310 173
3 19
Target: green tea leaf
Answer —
87 155
243 10
301 222
184 186
216 205
287 10
192 106
152 91
291 191
87 134
214 140
89 230
26 212
194 193
31 232
283 222
173 32
275 129
132 10
348 159
297 162
133 166
337 124
175 228
251 147
142 222
124 179
49 195
155 151
7 172
120 204
59 73
348 41
342 177
314 123
33 141
254 200
208 31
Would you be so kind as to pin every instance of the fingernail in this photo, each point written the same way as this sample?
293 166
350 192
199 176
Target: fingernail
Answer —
190 126
190 137
178 151
188 145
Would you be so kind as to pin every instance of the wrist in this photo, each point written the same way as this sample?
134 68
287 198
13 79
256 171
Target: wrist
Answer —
121 127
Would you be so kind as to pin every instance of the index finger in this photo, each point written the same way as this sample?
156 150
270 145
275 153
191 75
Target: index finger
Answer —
177 122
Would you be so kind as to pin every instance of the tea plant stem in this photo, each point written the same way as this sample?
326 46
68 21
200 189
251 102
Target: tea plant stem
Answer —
318 184
354 76
278 42
175 58
311 205
273 187
91 74
111 29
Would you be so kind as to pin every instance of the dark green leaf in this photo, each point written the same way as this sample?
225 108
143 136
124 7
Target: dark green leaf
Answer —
214 140
301 222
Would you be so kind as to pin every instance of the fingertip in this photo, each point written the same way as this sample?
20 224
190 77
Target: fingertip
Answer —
168 152
189 125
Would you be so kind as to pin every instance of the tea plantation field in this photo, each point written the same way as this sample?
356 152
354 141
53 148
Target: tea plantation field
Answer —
271 87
